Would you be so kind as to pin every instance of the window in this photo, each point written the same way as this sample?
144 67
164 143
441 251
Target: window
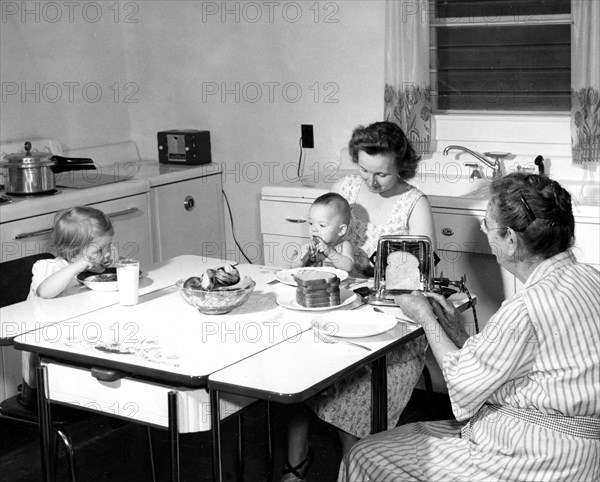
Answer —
501 55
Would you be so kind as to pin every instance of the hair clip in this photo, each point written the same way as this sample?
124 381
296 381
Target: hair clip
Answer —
527 209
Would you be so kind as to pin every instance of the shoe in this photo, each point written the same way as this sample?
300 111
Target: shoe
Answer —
28 396
299 471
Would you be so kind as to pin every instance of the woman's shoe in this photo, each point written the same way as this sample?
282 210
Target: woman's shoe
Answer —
297 472
28 396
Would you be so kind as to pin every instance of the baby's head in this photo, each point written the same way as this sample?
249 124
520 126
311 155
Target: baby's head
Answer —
77 228
329 217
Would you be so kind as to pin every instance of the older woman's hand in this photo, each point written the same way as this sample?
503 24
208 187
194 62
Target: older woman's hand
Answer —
449 318
416 307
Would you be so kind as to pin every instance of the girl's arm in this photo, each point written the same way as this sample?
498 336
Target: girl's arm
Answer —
343 258
56 283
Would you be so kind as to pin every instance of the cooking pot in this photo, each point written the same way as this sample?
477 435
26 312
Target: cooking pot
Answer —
28 173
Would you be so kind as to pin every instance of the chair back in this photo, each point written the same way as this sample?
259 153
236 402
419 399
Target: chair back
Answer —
15 278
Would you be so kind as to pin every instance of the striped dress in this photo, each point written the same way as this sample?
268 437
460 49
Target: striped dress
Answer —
525 392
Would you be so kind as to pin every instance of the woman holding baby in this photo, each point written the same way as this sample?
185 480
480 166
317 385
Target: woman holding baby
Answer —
382 203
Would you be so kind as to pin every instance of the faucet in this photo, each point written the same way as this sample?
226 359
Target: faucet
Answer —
496 166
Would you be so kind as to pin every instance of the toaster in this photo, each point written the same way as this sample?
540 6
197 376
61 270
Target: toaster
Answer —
418 249
187 146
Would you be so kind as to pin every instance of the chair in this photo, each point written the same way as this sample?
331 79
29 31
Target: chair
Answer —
15 280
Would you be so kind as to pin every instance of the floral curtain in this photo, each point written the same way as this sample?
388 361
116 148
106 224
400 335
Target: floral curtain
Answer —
407 86
585 81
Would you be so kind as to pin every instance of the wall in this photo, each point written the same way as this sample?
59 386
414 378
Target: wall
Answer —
60 77
178 65
253 82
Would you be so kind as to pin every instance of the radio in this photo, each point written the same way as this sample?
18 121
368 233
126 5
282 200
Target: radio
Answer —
187 146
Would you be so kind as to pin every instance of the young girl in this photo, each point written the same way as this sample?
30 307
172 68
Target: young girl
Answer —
82 238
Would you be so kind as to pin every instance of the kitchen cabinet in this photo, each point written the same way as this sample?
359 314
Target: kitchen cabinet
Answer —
188 217
285 228
129 216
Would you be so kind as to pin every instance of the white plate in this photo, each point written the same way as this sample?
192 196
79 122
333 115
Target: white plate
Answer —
353 324
87 278
287 275
288 300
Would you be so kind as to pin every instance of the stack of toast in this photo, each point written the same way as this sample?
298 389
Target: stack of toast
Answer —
316 289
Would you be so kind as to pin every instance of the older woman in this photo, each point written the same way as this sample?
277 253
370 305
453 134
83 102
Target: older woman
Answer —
526 390
382 202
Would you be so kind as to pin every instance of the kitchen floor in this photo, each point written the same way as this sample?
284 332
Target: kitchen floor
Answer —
113 450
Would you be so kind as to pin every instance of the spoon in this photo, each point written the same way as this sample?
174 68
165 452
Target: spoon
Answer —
328 339
399 318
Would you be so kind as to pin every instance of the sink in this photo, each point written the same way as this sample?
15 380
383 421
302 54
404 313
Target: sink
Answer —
438 184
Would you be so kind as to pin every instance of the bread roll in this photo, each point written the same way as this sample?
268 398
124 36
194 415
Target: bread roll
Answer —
402 271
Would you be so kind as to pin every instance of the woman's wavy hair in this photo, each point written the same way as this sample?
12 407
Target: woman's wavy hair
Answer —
538 209
77 227
385 138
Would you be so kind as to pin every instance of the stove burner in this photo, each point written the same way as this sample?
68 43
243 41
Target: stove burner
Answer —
5 200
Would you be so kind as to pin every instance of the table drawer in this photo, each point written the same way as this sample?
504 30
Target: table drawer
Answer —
286 218
136 400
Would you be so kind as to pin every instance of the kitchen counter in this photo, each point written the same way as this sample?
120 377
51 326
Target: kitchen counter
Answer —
146 174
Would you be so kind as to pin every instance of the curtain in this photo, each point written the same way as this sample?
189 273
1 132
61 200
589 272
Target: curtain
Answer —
585 81
407 87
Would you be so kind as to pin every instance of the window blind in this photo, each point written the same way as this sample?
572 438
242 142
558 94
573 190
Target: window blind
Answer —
500 55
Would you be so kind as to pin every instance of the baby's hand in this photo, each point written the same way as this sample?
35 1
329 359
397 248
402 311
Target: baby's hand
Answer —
322 247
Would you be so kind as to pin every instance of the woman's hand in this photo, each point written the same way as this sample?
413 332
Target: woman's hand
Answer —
416 307
449 318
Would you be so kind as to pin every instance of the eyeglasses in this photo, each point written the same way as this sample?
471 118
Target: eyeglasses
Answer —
485 229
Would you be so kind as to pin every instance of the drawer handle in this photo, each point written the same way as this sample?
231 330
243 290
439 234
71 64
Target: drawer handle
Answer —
106 375
123 213
295 220
447 232
189 203
33 234
41 232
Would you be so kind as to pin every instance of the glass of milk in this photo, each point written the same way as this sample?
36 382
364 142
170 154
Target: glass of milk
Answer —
128 281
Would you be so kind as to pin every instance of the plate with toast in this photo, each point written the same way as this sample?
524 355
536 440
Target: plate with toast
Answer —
289 300
287 276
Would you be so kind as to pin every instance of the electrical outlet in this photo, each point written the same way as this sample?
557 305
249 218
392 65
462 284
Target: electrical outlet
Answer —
308 141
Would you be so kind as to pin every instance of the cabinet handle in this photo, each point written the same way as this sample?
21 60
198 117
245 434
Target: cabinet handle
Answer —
41 232
295 220
122 213
32 234
189 203
447 232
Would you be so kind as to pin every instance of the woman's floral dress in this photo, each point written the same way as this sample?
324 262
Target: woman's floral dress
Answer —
347 404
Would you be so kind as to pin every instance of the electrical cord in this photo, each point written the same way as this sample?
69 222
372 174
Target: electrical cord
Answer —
299 159
472 303
232 229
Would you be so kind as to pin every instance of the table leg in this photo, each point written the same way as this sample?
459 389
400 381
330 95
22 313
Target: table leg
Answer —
45 422
215 409
174 435
270 458
379 395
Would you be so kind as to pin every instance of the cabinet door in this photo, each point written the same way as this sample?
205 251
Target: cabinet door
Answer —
188 218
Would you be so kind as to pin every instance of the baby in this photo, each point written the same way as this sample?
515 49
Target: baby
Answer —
328 219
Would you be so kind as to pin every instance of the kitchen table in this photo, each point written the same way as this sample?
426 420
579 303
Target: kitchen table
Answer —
301 367
150 362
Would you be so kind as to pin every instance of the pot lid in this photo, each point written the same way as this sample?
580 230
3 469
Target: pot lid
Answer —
28 158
